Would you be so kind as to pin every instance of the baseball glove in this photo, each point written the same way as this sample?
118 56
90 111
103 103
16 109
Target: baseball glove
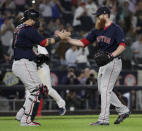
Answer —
40 59
102 58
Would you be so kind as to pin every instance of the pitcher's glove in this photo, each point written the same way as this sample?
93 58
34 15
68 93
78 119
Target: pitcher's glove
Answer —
102 58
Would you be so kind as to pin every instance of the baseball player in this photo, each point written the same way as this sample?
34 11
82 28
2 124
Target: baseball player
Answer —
109 38
24 66
44 75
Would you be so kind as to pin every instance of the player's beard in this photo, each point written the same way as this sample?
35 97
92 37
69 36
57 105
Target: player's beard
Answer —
100 23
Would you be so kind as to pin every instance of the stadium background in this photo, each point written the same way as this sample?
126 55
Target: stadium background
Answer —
73 70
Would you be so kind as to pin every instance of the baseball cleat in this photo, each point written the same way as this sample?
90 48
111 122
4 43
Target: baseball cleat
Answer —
62 111
122 117
99 123
37 123
30 124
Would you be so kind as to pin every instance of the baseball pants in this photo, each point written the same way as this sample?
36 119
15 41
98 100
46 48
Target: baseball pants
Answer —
107 77
27 72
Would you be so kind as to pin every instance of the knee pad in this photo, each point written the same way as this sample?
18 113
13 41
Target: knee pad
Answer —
42 92
33 99
31 102
35 110
36 104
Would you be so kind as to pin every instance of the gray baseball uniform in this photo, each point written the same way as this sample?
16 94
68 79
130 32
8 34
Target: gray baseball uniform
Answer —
108 39
24 67
43 73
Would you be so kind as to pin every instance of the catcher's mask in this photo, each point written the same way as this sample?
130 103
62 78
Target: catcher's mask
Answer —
31 14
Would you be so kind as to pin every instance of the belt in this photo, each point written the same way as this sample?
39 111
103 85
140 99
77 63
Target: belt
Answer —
23 58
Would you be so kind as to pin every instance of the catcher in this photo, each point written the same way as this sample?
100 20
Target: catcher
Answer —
111 42
25 37
44 75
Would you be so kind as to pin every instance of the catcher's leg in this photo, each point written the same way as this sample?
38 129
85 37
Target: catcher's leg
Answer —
20 113
44 92
30 102
27 71
44 74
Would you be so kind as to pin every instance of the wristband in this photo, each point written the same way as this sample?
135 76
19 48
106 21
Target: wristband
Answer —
49 41
57 38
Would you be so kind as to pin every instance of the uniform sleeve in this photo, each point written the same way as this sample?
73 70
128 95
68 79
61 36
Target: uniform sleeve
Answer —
33 35
119 37
90 38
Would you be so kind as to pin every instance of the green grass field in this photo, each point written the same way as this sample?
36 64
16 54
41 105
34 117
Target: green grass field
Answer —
72 123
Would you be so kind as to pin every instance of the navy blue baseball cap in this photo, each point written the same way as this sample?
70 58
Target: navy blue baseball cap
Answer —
102 10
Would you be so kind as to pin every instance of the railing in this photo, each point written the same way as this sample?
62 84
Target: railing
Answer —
76 87
134 100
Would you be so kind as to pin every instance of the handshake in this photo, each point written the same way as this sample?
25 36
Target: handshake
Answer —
63 34
59 35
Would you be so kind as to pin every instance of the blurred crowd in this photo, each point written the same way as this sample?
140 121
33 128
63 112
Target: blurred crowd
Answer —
77 17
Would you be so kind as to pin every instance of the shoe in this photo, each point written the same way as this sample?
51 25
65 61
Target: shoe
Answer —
62 111
30 124
26 121
120 118
99 123
37 123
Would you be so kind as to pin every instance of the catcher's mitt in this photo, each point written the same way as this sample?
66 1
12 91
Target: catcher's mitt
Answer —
40 59
102 58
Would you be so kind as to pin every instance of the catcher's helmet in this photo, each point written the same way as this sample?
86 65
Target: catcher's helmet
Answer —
30 14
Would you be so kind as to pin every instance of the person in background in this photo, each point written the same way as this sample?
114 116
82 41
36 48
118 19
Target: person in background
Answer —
71 56
137 49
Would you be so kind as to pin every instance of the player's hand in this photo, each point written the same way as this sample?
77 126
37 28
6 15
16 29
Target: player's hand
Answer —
63 34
